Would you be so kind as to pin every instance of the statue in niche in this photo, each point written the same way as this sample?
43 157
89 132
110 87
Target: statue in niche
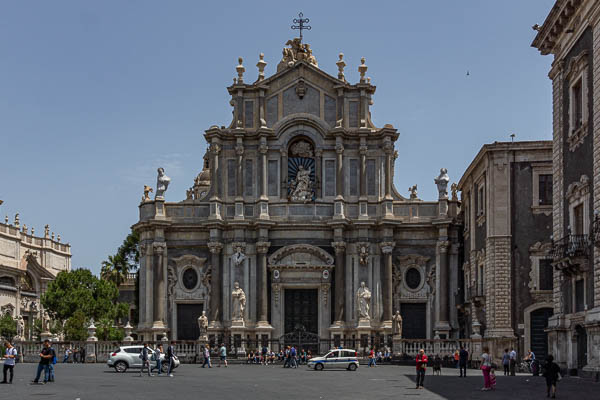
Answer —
239 256
162 184
301 187
363 296
363 254
397 324
203 325
239 302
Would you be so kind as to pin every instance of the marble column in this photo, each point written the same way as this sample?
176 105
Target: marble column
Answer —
443 299
340 281
264 198
216 312
386 249
261 249
284 173
159 286
318 173
363 171
239 152
215 149
149 284
339 176
388 170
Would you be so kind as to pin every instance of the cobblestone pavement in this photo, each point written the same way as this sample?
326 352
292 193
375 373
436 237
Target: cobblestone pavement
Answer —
248 382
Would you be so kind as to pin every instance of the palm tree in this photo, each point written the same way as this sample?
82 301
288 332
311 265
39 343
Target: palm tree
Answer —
114 269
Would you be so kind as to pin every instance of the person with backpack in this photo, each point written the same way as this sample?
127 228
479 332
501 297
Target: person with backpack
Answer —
9 362
45 358
206 357
171 357
145 357
293 355
52 364
156 357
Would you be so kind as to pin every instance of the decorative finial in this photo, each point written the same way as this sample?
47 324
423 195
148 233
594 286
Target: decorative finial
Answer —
25 229
46 231
369 80
6 220
16 223
362 68
58 238
341 64
235 81
32 231
240 71
301 21
261 64
52 235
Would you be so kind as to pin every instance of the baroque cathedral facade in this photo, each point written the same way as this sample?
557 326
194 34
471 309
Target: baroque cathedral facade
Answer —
294 223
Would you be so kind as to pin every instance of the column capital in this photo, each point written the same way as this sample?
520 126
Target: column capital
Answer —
241 245
443 245
262 247
142 249
387 247
263 148
339 148
158 247
239 149
215 148
363 150
215 247
339 247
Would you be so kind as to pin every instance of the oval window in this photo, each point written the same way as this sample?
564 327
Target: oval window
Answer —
413 278
190 278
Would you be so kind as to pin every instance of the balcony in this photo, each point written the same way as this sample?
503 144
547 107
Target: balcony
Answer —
571 253
475 295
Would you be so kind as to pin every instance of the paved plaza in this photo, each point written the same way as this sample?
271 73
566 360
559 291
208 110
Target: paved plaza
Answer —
248 382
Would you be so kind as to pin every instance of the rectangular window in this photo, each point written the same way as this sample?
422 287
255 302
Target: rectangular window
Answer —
481 282
577 227
249 114
579 295
480 200
354 177
353 110
329 178
272 172
371 181
546 277
577 98
231 177
249 177
545 189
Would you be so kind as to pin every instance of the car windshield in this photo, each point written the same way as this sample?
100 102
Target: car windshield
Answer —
332 354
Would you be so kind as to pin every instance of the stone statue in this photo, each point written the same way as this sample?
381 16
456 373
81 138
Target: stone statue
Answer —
147 191
363 296
363 254
301 186
239 256
46 230
203 325
413 192
162 184
45 321
454 189
302 149
20 327
442 183
16 222
239 302
397 324
296 52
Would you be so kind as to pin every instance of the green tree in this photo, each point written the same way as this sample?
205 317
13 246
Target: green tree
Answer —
107 331
8 327
80 291
76 326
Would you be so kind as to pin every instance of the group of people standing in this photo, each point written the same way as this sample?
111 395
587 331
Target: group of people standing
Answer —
147 355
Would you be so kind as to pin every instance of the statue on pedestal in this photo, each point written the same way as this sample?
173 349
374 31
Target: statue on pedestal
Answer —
238 256
20 327
162 184
203 325
239 302
442 183
397 324
363 296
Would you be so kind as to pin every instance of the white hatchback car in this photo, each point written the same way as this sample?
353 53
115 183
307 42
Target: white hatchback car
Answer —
126 357
337 358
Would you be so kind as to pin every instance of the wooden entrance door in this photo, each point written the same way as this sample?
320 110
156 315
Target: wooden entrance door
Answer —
187 321
414 320
301 310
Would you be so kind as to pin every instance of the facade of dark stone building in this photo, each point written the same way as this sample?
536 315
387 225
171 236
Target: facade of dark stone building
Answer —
296 205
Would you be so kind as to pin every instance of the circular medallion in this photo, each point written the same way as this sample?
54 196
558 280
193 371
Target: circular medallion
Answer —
190 278
413 278
276 274
325 274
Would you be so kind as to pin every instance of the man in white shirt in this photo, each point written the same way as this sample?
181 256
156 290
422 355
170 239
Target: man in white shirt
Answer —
9 362
512 361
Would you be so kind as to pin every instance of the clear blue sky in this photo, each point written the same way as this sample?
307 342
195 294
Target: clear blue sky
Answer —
94 96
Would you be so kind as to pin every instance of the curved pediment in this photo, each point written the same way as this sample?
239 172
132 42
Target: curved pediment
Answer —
300 254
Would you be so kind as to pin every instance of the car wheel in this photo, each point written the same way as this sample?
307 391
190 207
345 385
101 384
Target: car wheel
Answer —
352 367
121 366
319 367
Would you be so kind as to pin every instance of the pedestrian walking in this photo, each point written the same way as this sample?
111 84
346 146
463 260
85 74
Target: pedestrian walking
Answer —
372 358
513 361
486 367
10 355
171 357
82 355
76 355
52 364
156 357
421 368
493 377
286 363
551 373
45 358
145 356
506 362
265 354
463 359
206 357
67 354
293 354
456 358
223 355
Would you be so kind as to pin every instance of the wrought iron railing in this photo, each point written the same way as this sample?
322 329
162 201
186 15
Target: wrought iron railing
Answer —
571 246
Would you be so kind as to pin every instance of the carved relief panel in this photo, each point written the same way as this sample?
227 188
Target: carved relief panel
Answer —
188 278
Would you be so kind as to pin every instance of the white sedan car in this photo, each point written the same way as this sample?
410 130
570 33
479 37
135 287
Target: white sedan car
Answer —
337 358
126 357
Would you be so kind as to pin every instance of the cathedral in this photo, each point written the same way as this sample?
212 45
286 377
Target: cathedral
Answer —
294 228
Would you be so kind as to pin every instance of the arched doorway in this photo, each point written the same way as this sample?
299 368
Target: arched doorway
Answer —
537 332
581 346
